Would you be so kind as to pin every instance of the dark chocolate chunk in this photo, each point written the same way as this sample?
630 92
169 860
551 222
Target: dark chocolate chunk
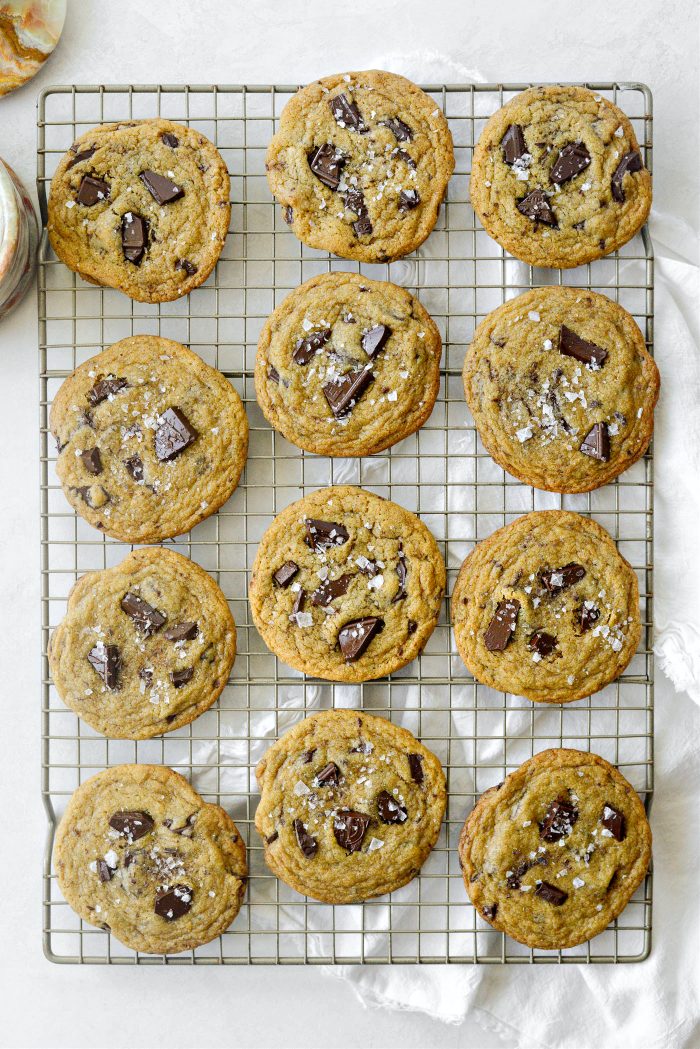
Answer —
84 154
401 154
92 461
330 589
284 575
572 345
133 824
173 902
327 162
273 375
92 191
322 534
106 661
354 199
347 114
181 632
186 830
401 132
350 828
147 618
615 822
412 626
181 677
535 206
551 894
356 636
306 843
170 140
343 393
298 603
542 643
490 911
309 346
146 674
184 264
513 144
596 443
367 567
105 388
308 756
557 579
408 199
502 626
415 765
174 434
587 615
559 820
288 214
162 189
134 466
104 871
363 226
514 876
95 496
402 573
572 160
134 237
630 162
328 776
389 809
271 837
375 339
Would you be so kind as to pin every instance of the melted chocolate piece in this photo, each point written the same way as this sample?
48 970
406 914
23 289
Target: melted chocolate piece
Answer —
330 589
415 764
170 140
408 199
147 618
513 144
557 579
284 575
329 776
181 632
596 443
134 466
162 189
374 340
106 661
542 643
288 215
586 616
181 677
350 828
186 830
173 902
306 843
343 393
535 206
355 637
273 375
412 626
401 154
326 162
354 199
551 894
271 837
401 132
502 626
104 871
513 879
92 191
308 756
572 160
389 809
174 434
615 822
132 823
559 820
402 573
188 267
134 237
308 347
490 911
146 674
92 461
105 388
347 114
298 603
322 534
630 162
84 154
572 345
368 568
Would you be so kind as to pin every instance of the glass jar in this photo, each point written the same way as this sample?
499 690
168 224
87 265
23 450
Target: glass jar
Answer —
19 236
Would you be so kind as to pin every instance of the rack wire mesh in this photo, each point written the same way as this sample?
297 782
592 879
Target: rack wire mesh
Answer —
441 473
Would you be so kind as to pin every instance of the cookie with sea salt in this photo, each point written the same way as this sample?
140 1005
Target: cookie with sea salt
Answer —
554 853
350 806
561 388
547 608
347 365
145 647
360 164
346 586
142 206
558 177
140 854
151 440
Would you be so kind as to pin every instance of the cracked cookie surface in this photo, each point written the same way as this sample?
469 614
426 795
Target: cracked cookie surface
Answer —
558 178
139 853
347 365
562 388
141 206
547 608
360 164
151 439
145 647
350 807
553 854
346 586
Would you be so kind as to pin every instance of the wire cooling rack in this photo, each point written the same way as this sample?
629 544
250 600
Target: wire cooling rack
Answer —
442 473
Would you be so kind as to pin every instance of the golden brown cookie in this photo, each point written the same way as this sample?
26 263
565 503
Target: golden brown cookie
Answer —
553 854
350 806
347 365
138 853
558 178
547 608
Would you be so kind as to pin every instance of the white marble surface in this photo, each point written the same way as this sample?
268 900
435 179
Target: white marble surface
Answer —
255 41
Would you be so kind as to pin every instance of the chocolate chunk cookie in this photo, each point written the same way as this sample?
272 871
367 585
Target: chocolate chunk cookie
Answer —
145 647
558 177
347 365
360 165
350 806
562 388
138 853
547 608
151 439
346 586
142 206
553 854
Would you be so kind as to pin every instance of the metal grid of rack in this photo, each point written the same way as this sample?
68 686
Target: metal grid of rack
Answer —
441 473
